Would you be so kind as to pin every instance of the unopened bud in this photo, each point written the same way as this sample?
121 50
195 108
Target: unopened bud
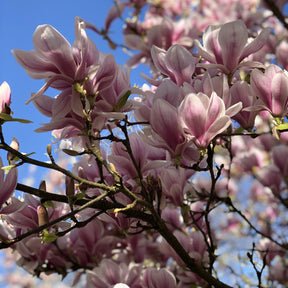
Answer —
42 185
5 98
82 174
49 149
70 189
15 145
43 217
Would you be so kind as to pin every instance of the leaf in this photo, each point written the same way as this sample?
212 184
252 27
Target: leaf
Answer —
7 168
48 204
80 196
48 237
7 117
282 127
123 100
70 152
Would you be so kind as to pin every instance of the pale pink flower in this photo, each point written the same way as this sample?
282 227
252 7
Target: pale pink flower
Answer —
202 118
177 63
166 132
225 46
55 61
7 184
279 155
162 278
242 92
271 87
281 54
5 98
270 176
110 273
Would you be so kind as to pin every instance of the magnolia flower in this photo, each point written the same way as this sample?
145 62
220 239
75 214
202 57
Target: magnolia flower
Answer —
110 273
225 46
167 134
8 184
5 98
56 61
202 118
271 87
161 278
242 92
177 63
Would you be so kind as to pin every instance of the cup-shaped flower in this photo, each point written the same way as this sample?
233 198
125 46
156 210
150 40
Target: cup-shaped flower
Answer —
202 118
5 98
8 184
242 92
167 134
225 46
177 63
56 61
272 89
161 278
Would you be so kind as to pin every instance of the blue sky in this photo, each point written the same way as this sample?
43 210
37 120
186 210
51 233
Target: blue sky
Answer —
18 21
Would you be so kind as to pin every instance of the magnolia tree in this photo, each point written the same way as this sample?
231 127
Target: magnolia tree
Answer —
179 183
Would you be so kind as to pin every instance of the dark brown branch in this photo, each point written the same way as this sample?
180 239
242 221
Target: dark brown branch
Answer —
276 11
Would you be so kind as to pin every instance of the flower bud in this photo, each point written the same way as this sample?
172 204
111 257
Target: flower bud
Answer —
42 185
5 98
15 145
70 190
49 149
82 174
43 217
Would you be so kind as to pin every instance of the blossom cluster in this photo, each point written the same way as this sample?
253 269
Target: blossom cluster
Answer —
156 184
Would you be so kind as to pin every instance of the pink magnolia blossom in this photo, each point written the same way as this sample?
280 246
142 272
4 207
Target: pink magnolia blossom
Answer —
110 273
161 278
281 54
177 63
271 87
270 176
225 46
167 134
7 184
5 98
163 34
173 183
202 118
55 61
144 155
279 155
242 92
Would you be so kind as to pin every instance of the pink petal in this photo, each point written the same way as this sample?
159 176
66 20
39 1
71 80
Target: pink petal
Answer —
181 63
53 46
5 96
36 66
114 12
256 44
215 128
279 88
233 37
9 185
